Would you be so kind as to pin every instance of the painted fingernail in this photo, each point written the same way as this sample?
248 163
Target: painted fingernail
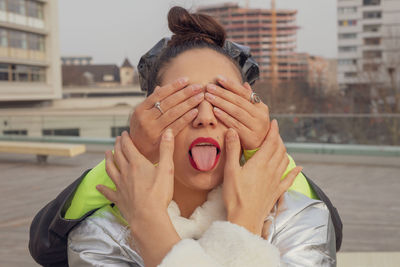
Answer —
212 88
196 88
210 96
183 80
221 78
199 96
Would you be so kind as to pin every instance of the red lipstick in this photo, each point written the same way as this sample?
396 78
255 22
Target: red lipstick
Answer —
207 141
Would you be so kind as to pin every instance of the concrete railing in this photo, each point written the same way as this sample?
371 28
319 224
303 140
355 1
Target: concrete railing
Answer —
310 148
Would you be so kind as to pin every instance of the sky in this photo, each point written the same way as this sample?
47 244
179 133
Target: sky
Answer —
111 30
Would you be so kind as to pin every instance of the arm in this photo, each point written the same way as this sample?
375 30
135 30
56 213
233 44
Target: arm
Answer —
102 240
303 232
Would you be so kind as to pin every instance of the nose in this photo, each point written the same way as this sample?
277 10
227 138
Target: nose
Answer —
205 117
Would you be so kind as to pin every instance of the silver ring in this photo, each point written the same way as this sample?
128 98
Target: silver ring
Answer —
254 98
157 105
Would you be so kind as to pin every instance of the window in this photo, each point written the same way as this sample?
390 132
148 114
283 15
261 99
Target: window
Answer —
370 67
36 42
16 6
34 9
372 41
15 132
347 22
4 72
371 2
347 10
116 131
22 73
347 48
372 54
347 61
372 28
61 132
350 74
372 15
3 38
347 35
17 39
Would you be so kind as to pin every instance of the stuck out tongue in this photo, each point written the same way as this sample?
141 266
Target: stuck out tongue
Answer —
204 157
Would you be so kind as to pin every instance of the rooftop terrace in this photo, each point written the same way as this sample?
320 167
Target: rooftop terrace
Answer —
364 189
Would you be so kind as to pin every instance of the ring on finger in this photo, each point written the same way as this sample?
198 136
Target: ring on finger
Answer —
157 105
254 98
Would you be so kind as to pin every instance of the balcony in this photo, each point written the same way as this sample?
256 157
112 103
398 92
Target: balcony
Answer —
17 55
21 20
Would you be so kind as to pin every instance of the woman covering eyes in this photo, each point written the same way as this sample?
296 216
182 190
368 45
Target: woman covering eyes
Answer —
180 195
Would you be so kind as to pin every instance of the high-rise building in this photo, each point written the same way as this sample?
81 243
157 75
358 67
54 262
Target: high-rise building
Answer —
368 42
29 50
253 27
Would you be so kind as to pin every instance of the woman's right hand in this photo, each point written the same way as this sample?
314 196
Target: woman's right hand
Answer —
250 191
178 101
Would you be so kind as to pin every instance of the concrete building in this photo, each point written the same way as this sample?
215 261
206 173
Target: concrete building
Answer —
29 50
253 28
368 42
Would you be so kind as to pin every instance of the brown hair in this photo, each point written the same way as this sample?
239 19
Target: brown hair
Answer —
190 31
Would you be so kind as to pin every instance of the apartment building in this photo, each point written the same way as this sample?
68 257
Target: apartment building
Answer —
253 27
368 42
29 51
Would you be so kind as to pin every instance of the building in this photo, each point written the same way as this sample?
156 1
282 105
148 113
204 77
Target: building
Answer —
77 60
368 42
29 51
253 28
90 75
126 73
78 71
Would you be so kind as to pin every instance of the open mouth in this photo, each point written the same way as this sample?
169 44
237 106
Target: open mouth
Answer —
204 153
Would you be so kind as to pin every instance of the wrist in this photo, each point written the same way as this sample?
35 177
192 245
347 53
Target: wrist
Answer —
147 222
251 223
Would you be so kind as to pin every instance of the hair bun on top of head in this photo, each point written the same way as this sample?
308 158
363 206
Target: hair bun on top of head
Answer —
187 27
196 28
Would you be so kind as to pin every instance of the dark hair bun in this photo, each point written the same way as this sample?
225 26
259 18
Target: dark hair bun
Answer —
194 27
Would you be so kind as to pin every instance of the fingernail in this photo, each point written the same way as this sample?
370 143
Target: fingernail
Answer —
193 112
212 88
196 88
221 78
199 96
183 80
231 135
217 110
168 134
210 96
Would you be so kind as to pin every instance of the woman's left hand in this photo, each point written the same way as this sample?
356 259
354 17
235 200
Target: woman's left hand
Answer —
232 106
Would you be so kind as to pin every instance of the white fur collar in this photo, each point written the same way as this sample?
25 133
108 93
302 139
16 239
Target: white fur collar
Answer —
201 219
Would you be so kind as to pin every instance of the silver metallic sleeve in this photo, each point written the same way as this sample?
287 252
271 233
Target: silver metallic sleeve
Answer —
102 240
303 231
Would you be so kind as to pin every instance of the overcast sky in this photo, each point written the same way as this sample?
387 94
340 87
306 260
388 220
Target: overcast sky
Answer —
110 30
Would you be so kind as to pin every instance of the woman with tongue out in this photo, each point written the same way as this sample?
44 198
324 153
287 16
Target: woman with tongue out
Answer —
198 206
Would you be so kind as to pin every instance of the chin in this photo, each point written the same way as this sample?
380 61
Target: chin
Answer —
201 181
